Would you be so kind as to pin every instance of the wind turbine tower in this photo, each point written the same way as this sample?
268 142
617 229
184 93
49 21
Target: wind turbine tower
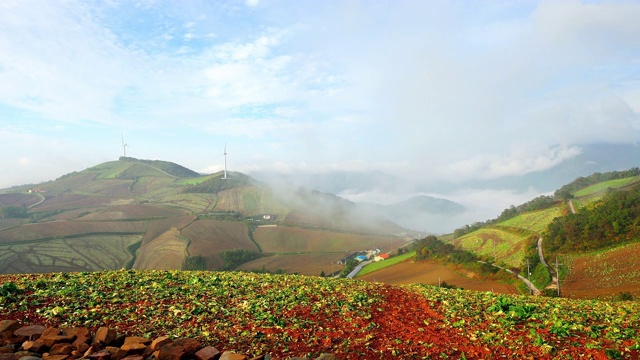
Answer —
124 146
225 161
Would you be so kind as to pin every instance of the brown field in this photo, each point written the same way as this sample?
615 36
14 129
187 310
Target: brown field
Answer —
65 184
430 273
284 239
230 200
63 228
303 264
133 211
159 227
196 203
21 200
603 274
211 237
166 252
9 223
71 201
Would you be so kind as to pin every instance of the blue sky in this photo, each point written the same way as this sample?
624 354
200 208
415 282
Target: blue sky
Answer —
431 90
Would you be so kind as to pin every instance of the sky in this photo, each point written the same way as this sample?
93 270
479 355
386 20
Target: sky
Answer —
427 90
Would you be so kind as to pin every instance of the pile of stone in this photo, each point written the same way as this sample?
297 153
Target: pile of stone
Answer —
37 342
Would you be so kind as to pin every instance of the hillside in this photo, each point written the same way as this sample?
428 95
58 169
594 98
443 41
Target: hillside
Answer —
151 214
287 315
591 227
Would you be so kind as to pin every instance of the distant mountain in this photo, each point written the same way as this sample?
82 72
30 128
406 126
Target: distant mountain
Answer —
417 212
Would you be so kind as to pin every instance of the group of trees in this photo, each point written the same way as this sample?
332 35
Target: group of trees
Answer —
12 212
615 219
539 203
432 248
566 192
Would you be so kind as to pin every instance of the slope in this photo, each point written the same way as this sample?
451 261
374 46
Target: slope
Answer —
161 214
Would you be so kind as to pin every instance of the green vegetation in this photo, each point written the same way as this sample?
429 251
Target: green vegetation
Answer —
195 263
301 315
615 220
535 221
13 212
568 191
539 203
604 186
235 258
378 265
499 244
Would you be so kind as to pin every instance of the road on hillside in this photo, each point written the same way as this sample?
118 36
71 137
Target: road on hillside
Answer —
534 290
554 276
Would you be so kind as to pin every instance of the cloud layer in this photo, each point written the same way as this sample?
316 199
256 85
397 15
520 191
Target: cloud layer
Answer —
432 90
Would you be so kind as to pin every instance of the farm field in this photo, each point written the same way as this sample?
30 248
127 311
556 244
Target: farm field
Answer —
303 264
208 238
285 239
167 251
285 315
56 229
432 273
602 186
535 221
506 246
83 253
378 265
604 273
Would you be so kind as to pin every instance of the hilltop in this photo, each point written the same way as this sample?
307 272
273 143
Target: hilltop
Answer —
151 214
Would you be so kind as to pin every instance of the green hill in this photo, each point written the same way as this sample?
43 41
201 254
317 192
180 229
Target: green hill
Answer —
158 215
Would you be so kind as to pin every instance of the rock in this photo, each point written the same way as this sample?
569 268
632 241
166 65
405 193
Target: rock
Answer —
54 357
29 357
116 352
100 355
160 342
105 335
61 349
230 355
134 357
31 332
82 334
34 346
327 357
51 340
134 348
9 326
137 340
81 348
208 353
180 349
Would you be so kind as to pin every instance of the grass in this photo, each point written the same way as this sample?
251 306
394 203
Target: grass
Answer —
378 265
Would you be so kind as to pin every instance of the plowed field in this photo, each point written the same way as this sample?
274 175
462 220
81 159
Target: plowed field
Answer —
431 273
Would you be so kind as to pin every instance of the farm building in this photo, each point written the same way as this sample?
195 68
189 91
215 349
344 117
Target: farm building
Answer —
381 257
361 258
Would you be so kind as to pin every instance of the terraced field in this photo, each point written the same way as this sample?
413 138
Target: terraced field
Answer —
285 239
602 186
80 253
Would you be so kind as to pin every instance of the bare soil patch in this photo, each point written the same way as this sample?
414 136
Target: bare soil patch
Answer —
284 239
303 264
431 273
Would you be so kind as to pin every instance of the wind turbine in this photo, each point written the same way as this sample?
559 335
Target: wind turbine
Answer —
225 161
124 146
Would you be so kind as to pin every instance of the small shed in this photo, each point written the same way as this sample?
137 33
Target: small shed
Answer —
381 257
